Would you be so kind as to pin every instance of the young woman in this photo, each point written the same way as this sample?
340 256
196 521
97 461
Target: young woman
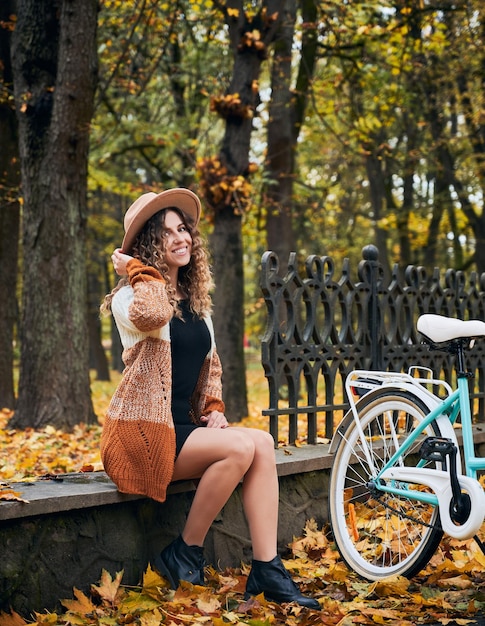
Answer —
166 419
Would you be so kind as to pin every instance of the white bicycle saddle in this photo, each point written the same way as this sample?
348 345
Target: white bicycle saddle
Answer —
440 329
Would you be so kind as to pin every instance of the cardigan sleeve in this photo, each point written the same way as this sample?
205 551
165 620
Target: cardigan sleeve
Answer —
137 272
147 307
208 392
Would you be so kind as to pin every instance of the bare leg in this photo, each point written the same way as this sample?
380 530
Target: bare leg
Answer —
221 458
260 496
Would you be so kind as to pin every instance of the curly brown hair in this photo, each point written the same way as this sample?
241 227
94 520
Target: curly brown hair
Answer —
195 278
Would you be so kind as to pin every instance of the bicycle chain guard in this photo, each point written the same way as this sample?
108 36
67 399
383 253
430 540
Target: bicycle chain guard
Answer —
443 450
439 482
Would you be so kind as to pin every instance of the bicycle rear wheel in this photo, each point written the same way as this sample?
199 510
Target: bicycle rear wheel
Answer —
379 534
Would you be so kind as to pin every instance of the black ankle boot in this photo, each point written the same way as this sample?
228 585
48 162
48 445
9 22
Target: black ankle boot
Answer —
273 579
178 561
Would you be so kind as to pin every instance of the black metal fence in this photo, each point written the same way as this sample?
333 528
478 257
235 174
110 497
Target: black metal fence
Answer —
322 323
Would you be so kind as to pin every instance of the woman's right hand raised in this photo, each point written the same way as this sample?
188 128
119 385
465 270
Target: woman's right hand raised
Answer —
120 259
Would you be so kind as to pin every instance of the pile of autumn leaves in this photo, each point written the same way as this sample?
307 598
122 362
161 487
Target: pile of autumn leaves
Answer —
30 453
450 589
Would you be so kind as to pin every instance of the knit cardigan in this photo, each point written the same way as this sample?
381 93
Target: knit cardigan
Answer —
138 438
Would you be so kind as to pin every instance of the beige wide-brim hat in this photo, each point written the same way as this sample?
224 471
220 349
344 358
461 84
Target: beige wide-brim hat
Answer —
150 203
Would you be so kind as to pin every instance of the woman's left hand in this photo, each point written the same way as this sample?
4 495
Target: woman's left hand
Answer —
215 419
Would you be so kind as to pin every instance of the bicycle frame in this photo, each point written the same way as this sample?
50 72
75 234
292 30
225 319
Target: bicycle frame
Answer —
394 477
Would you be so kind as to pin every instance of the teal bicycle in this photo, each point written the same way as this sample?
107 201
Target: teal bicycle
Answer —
399 480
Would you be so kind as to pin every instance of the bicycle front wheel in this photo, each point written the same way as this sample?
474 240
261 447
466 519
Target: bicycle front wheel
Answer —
380 534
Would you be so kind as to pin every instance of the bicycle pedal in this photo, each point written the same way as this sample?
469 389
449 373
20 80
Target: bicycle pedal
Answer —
436 449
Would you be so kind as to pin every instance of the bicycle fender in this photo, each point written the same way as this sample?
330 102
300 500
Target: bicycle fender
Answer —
439 482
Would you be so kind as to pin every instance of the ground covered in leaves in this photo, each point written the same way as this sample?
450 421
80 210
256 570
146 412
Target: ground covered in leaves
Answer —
451 590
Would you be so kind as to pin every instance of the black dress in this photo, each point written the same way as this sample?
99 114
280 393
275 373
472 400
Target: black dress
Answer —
190 344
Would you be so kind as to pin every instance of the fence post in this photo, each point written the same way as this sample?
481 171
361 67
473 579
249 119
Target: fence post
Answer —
370 254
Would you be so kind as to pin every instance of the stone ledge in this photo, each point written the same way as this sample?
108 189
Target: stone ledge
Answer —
72 529
91 489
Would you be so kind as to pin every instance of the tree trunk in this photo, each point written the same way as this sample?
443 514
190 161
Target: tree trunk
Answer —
227 251
278 191
9 214
243 98
286 115
409 169
377 187
444 172
97 355
54 59
229 311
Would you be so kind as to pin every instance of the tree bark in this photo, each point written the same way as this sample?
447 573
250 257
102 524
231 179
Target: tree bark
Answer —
403 212
54 60
249 54
377 190
227 251
97 355
229 311
9 212
278 190
286 113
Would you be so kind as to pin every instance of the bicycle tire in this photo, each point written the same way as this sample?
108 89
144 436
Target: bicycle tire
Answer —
383 535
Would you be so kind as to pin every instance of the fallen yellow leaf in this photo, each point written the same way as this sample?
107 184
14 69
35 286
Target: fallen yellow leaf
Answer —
108 589
82 605
10 494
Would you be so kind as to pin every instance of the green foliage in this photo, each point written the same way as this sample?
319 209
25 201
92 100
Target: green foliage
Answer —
158 69
397 94
381 73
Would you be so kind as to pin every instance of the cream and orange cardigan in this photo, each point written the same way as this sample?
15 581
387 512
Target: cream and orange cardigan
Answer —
138 439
